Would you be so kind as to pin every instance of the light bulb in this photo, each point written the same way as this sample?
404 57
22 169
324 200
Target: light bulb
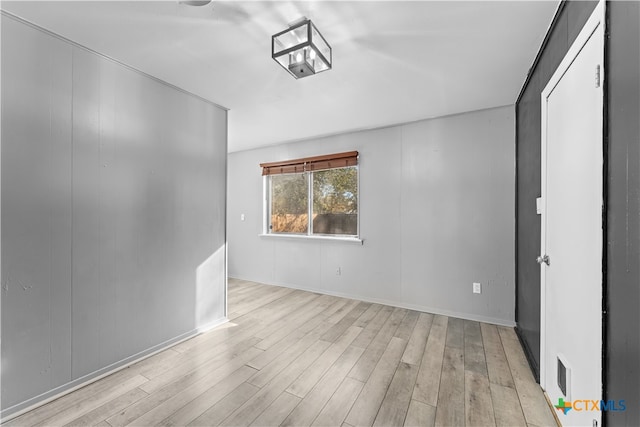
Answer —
312 55
298 57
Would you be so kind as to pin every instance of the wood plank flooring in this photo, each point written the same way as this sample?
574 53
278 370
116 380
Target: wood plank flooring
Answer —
295 358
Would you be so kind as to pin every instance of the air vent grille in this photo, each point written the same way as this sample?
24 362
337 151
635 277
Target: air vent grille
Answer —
562 377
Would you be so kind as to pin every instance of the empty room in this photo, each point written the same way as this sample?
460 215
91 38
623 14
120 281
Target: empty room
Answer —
327 213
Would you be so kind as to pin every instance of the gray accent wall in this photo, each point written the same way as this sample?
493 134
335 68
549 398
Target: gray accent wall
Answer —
621 376
622 363
113 215
436 215
566 27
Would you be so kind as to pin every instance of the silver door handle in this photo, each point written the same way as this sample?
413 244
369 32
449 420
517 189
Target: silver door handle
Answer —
543 258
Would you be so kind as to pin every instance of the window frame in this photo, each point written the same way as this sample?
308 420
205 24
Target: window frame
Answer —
266 211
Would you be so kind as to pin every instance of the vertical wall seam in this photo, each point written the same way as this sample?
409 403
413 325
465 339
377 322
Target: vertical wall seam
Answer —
71 335
51 214
100 177
400 214
226 213
515 213
1 277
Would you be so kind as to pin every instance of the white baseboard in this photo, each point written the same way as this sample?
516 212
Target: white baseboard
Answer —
416 307
21 408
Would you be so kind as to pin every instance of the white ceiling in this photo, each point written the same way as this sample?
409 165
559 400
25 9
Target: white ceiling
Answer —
393 61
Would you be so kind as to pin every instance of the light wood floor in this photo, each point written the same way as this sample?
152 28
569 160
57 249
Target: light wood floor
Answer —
295 358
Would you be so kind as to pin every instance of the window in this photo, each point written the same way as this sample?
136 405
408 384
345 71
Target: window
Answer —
289 203
315 196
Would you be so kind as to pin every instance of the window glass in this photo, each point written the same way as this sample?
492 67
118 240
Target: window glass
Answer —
335 201
289 203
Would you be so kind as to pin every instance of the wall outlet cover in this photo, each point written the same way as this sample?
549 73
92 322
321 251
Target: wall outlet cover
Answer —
477 288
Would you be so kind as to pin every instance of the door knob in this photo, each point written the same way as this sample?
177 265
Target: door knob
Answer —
543 258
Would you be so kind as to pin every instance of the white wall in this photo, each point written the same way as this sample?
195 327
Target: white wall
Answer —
436 215
113 215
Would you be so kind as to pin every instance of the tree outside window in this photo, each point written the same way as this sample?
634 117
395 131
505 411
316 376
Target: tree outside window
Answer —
333 195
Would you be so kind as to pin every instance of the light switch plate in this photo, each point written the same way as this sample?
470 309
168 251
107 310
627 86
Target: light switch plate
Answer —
477 288
539 205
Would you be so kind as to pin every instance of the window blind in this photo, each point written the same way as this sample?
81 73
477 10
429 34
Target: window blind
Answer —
315 163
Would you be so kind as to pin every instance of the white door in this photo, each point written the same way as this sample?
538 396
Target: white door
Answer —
572 195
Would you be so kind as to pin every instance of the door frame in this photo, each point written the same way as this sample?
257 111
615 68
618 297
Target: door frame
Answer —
595 21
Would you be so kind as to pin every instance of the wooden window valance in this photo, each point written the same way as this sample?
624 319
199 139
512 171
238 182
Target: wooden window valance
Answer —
315 163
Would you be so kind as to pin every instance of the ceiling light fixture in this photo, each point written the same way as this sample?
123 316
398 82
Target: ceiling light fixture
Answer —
301 49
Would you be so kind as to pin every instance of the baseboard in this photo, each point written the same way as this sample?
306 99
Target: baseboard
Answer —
44 398
552 409
533 365
416 307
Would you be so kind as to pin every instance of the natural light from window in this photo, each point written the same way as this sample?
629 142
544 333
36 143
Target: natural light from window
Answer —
314 197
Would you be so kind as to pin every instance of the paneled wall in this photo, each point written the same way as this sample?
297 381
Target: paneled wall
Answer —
622 367
566 28
113 214
436 215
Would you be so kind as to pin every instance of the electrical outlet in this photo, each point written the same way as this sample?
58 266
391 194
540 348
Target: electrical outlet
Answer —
477 288
241 217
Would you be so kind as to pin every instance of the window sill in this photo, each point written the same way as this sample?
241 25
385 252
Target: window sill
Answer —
355 240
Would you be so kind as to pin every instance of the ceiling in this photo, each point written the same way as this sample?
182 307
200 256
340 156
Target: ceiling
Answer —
394 61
